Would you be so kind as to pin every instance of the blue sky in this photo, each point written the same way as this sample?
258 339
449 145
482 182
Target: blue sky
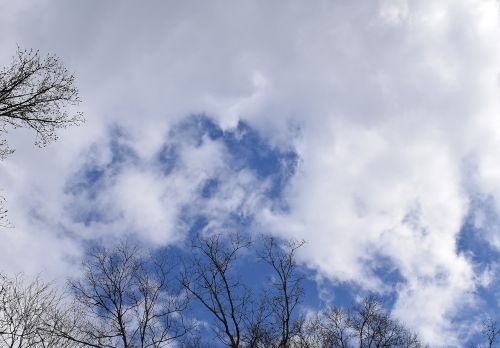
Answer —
369 129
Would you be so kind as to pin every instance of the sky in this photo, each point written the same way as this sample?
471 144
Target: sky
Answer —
370 129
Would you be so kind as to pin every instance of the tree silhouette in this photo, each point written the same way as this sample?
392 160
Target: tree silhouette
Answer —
35 93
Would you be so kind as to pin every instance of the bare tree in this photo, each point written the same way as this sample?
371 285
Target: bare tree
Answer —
371 325
128 300
209 276
34 93
338 322
375 328
286 290
241 318
366 326
328 328
491 331
260 332
31 314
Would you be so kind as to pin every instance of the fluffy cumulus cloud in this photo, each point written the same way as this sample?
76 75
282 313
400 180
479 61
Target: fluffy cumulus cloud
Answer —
368 128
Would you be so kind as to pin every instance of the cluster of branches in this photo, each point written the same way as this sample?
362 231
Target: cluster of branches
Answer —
29 314
271 318
491 332
35 92
240 318
129 298
124 299
366 325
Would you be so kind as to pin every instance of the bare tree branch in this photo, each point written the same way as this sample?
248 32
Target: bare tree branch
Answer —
31 314
34 93
491 331
209 278
129 300
286 289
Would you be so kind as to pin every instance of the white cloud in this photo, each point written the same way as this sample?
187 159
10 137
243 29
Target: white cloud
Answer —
397 104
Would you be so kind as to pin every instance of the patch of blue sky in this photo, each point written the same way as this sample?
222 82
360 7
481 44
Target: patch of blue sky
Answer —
167 158
196 224
91 175
250 150
90 181
195 128
336 294
247 150
345 294
86 182
472 242
121 152
389 275
481 220
485 257
209 188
